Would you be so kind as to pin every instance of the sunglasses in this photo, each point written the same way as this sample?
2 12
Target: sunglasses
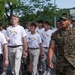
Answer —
63 19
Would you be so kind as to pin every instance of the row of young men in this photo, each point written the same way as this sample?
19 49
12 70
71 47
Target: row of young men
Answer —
38 39
15 39
45 32
36 42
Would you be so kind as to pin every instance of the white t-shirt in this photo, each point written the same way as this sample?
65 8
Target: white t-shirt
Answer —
40 31
37 28
16 35
5 34
2 42
27 32
55 29
33 40
46 37
72 26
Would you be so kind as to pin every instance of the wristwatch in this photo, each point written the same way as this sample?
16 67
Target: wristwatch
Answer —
25 51
5 59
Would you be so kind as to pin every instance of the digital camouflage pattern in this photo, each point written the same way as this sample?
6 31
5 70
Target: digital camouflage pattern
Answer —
65 44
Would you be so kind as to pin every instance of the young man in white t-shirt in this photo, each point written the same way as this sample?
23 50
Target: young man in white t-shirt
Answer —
3 50
35 47
40 28
17 44
46 37
58 25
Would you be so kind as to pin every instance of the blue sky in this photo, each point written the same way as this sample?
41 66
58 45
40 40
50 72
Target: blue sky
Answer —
64 3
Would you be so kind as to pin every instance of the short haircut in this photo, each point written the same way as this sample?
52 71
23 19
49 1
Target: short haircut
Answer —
47 22
15 15
28 23
33 24
0 24
40 21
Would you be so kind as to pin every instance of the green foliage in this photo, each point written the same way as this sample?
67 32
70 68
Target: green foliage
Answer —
30 10
13 1
59 12
2 10
39 10
7 7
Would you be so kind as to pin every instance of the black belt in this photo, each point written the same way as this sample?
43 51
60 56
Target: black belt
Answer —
45 47
15 46
1 55
33 48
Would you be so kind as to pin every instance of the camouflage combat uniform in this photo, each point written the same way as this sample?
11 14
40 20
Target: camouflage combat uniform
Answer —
65 44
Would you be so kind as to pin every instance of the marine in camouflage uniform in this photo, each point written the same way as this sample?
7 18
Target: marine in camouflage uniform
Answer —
64 41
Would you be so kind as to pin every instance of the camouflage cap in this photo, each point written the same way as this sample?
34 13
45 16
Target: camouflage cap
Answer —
64 18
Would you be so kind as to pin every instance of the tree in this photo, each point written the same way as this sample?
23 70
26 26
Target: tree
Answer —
30 10
7 8
10 7
37 9
2 10
59 12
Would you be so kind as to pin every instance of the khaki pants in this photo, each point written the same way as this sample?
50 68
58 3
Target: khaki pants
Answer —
15 55
34 56
45 59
